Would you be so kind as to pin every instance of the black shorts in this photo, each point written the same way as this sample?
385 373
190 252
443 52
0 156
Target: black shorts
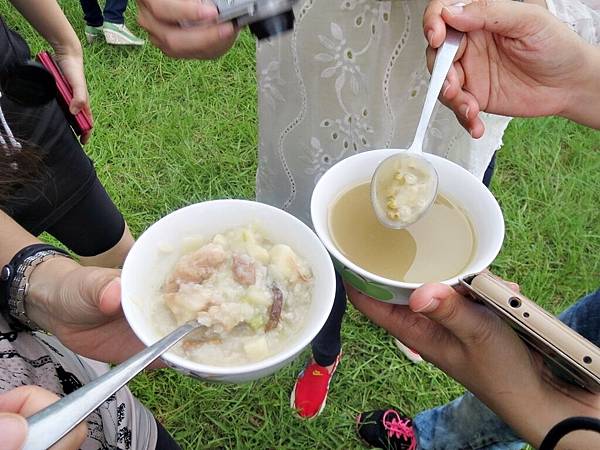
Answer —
67 200
164 441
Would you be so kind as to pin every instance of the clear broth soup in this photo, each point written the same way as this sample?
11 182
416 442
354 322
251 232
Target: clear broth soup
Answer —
436 248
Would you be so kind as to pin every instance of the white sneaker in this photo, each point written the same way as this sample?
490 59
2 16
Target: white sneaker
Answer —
119 34
93 33
408 352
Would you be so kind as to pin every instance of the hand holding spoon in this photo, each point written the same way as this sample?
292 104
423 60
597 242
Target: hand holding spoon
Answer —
404 186
50 424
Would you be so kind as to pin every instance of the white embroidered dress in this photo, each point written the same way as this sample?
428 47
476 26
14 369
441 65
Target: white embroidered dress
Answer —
351 77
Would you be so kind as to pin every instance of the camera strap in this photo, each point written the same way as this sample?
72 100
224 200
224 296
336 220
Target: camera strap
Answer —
564 427
7 132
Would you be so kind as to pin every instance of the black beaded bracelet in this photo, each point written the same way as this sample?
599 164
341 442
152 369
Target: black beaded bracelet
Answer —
14 278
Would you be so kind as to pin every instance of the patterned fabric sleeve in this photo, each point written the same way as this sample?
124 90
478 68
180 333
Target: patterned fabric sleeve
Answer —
582 16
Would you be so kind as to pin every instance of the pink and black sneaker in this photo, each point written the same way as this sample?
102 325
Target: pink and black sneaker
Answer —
386 429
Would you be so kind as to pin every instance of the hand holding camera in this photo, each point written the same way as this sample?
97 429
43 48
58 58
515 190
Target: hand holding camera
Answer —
195 29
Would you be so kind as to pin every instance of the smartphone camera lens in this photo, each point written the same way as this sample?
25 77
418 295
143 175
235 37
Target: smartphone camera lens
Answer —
514 302
587 359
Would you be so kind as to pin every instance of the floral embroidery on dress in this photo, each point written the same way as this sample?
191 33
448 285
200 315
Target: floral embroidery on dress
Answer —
419 81
351 132
269 82
318 159
342 58
368 11
352 76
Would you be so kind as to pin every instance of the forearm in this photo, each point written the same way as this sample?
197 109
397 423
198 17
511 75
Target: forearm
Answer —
13 238
537 421
44 278
49 20
584 103
531 413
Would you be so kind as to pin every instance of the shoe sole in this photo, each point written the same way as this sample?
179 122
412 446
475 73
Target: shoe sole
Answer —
408 353
114 38
293 396
91 37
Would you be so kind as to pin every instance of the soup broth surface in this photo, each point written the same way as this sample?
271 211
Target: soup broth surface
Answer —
436 248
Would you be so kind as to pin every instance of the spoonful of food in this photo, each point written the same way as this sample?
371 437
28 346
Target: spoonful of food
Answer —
404 186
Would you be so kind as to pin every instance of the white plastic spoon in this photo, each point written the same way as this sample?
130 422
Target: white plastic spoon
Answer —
404 186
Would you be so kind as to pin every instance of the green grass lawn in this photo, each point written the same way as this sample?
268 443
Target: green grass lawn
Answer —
170 133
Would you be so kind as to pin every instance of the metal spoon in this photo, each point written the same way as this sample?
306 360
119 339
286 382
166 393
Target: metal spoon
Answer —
412 158
50 424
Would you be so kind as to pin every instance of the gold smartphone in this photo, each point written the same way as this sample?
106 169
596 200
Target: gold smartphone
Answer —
568 354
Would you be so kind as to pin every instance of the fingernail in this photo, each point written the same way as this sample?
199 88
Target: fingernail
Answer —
431 305
454 10
445 88
14 431
226 30
430 37
464 111
114 283
206 11
471 133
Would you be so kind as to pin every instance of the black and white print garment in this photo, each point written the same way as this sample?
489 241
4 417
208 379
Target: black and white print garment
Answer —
38 359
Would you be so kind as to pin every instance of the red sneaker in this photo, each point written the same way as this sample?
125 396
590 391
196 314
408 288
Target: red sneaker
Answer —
310 391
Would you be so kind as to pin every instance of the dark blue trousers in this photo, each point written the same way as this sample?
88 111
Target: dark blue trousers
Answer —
113 12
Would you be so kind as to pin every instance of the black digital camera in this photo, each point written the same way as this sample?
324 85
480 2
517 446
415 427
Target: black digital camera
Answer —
265 18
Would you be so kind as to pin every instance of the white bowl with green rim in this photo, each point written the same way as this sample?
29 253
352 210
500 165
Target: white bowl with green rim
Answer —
454 182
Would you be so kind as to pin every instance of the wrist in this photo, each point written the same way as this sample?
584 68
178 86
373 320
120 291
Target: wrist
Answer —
45 284
67 45
583 103
68 49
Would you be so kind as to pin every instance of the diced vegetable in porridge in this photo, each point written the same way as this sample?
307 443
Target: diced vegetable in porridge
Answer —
253 296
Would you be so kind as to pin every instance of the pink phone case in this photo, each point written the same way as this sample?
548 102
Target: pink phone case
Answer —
81 122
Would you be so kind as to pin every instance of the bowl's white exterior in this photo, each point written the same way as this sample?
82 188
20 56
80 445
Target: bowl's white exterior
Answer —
150 260
454 181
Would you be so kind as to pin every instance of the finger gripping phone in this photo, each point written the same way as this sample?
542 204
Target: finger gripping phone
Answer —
569 355
81 122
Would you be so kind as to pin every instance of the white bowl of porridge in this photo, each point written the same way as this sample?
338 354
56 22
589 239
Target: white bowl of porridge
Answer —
260 281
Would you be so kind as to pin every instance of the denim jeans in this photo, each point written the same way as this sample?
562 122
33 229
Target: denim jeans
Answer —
113 12
466 423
